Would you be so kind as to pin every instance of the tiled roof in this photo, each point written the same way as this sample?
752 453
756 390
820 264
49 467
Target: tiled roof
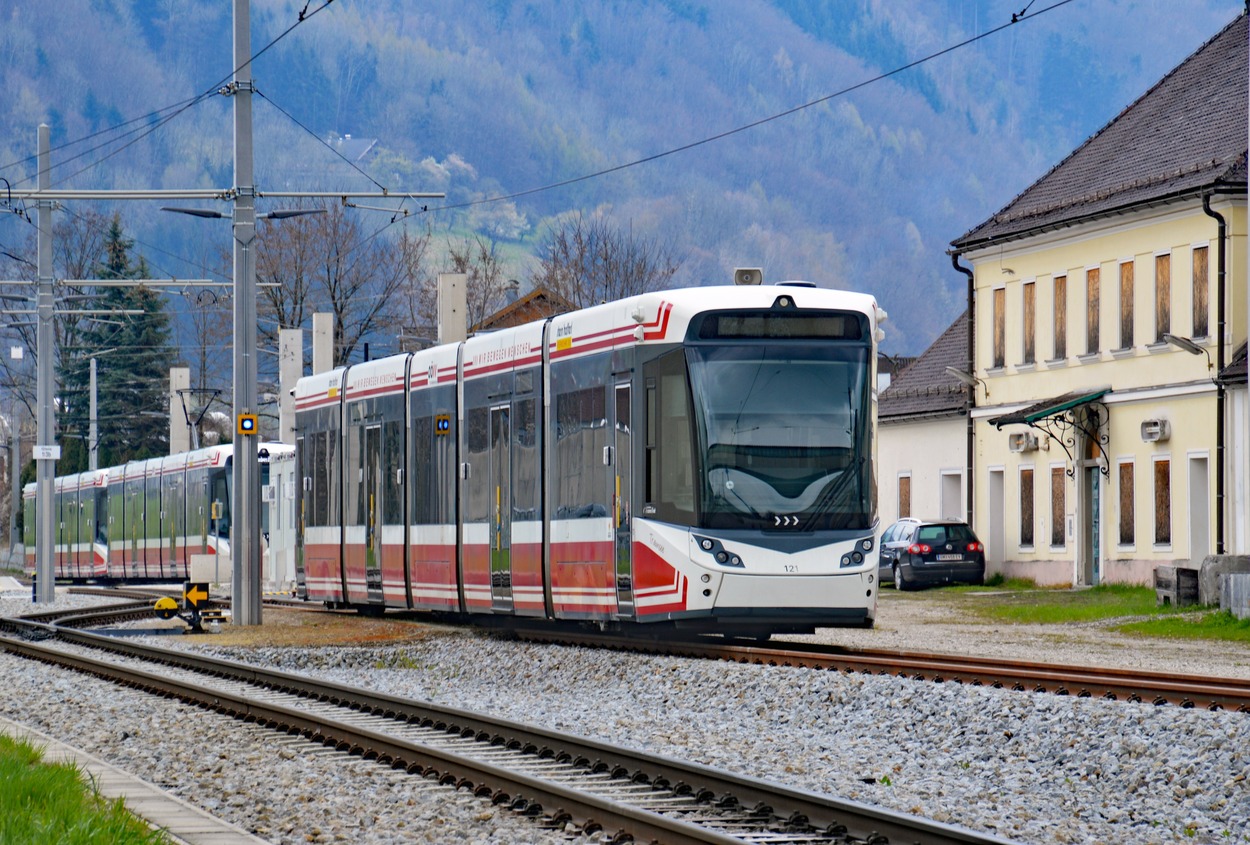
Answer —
1184 136
925 388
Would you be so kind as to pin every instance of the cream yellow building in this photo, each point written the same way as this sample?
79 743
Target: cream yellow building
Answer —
1106 298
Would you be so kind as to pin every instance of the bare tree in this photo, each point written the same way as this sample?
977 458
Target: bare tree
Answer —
78 240
327 262
478 258
588 261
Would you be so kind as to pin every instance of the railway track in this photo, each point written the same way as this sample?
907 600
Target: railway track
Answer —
1083 681
610 793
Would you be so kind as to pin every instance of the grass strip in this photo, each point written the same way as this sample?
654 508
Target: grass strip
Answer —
43 802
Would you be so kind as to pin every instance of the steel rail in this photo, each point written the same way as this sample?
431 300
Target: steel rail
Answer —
860 822
1082 681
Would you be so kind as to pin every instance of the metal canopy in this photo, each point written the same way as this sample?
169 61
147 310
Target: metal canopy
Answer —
1050 407
1063 417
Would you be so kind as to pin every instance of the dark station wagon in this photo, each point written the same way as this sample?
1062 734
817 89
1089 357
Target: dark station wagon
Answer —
924 553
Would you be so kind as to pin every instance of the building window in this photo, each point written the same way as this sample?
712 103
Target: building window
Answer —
904 496
1163 296
1163 502
1092 277
1061 317
1026 507
1056 507
1126 305
1030 321
1000 319
1201 326
1127 515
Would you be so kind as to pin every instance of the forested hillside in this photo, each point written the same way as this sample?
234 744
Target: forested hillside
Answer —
489 98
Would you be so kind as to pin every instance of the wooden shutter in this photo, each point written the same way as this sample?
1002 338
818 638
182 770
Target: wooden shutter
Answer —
1126 305
1163 503
1026 507
1030 322
1127 515
1201 307
1000 318
1057 516
1061 317
1092 284
1163 295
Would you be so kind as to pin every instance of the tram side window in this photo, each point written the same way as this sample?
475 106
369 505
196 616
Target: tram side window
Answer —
477 505
670 460
220 499
432 486
392 462
581 434
324 477
526 481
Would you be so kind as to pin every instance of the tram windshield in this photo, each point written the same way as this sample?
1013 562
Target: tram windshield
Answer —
783 435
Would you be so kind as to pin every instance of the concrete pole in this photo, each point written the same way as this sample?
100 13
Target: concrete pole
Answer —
181 436
323 342
290 368
93 424
245 539
45 449
15 477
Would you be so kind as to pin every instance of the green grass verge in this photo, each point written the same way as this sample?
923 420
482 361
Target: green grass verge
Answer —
42 803
1021 602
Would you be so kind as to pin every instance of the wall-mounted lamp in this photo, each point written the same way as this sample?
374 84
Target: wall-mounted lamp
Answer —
1189 346
968 379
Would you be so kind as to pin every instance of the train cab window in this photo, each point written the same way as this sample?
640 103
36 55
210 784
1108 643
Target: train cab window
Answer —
669 466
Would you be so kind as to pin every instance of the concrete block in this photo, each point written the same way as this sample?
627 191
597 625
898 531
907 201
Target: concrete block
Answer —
1235 594
1213 567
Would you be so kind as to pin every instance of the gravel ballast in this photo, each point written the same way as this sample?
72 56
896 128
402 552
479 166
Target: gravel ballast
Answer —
1033 768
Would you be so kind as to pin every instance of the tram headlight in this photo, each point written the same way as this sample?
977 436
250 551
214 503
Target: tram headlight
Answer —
865 545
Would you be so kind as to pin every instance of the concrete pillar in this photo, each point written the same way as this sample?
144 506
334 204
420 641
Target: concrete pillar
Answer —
179 426
323 343
290 368
452 290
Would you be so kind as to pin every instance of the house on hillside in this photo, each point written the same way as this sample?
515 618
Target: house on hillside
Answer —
922 434
1107 300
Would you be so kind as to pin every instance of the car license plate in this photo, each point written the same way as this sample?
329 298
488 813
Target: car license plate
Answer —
950 557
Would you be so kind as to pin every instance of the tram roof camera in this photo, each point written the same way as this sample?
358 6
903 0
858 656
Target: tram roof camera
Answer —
748 276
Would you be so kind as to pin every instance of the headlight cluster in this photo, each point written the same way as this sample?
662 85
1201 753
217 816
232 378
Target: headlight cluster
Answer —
717 551
856 556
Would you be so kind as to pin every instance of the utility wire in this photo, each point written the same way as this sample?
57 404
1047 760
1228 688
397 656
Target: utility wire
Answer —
1017 17
321 140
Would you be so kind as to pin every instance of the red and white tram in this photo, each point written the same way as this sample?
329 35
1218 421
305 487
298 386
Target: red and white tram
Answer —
145 520
700 457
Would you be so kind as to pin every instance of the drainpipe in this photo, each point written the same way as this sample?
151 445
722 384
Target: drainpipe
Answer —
972 391
1219 385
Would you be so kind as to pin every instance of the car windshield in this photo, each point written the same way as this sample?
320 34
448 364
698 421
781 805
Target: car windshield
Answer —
783 431
935 534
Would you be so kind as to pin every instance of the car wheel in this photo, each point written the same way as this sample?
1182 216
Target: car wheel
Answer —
898 578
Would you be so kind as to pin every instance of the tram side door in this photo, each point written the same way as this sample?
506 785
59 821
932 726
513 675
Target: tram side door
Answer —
372 490
500 463
622 498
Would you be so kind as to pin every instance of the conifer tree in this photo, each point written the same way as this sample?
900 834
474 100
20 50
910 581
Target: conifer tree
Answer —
133 356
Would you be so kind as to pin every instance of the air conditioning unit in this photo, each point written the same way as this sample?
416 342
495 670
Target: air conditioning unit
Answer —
1155 431
1022 442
